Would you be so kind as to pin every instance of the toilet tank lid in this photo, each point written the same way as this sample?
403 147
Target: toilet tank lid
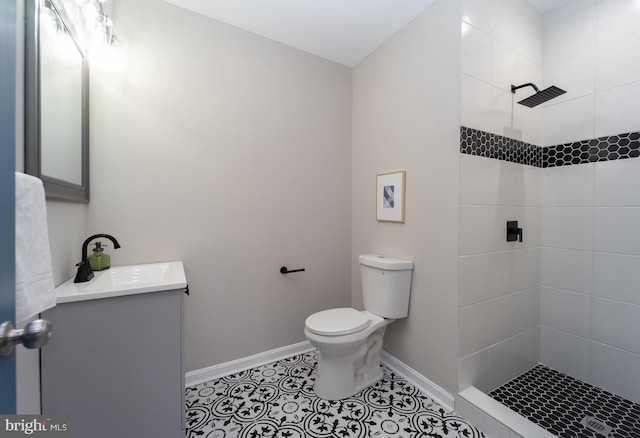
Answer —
386 263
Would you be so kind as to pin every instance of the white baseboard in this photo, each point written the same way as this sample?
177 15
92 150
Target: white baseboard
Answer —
202 375
436 392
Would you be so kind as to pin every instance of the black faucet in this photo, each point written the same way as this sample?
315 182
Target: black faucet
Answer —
85 273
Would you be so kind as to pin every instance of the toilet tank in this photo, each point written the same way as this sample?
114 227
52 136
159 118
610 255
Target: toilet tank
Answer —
386 285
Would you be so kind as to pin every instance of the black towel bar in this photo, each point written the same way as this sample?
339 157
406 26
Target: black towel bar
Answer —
284 270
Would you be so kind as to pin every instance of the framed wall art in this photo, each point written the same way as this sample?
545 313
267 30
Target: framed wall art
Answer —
390 196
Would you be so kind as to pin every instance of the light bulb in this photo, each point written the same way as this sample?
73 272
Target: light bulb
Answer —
90 12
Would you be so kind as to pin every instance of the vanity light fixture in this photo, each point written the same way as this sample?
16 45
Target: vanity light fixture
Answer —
92 22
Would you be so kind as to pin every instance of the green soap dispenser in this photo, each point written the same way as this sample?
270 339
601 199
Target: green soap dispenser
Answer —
99 260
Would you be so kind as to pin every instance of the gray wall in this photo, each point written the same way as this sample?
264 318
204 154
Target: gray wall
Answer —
233 153
67 230
406 115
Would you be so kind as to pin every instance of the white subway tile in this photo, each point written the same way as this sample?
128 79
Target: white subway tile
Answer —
484 181
571 36
474 371
501 122
568 121
616 183
530 220
617 109
616 19
485 276
514 356
525 271
478 14
527 71
526 347
523 311
482 324
528 186
476 53
564 352
569 312
616 277
484 229
529 121
616 371
616 65
616 230
503 66
576 76
567 9
476 103
567 269
505 25
522 27
617 324
489 322
568 186
501 363
567 227
491 275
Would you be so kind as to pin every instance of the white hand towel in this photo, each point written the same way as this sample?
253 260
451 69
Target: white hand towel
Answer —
35 290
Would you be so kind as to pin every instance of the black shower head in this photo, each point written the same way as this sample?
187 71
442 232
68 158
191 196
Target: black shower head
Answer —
540 96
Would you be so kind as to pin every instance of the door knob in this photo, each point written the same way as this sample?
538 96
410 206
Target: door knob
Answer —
33 335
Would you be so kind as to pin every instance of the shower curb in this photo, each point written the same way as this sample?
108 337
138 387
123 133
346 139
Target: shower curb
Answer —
495 419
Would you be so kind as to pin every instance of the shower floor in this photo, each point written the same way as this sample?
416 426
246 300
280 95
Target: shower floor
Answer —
559 403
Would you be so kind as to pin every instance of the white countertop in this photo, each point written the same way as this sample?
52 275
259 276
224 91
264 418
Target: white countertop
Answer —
124 280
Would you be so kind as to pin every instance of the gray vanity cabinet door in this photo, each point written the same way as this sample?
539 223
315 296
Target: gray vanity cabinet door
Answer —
114 366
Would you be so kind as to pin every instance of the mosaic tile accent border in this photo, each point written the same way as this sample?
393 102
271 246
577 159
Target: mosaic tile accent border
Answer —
614 147
559 404
486 144
608 148
277 401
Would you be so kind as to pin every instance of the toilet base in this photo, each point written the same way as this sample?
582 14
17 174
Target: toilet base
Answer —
343 374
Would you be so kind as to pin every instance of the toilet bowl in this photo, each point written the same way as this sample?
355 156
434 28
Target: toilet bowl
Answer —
349 359
349 341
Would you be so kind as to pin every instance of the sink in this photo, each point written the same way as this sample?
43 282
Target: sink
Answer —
125 280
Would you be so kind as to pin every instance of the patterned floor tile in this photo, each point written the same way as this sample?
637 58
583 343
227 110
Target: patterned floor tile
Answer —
277 401
559 403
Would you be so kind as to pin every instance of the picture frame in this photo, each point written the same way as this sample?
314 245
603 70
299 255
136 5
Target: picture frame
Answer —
390 196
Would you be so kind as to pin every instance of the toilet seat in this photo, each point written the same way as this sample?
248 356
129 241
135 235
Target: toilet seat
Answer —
337 322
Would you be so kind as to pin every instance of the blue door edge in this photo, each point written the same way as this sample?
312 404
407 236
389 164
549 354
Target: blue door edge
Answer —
8 17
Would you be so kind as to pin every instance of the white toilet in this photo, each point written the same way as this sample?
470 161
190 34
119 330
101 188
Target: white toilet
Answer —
349 341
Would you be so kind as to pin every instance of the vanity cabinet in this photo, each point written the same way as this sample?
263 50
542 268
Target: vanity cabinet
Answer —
114 366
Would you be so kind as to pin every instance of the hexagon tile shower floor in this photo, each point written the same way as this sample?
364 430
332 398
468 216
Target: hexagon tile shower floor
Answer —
568 407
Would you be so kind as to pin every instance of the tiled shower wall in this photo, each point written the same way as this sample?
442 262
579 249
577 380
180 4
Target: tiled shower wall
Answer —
590 296
499 281
589 239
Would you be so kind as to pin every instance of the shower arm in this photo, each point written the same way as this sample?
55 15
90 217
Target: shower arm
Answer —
528 84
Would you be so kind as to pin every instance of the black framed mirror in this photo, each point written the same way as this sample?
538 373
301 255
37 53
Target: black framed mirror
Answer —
56 104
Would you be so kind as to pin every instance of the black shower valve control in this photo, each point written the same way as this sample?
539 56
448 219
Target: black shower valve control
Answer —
514 234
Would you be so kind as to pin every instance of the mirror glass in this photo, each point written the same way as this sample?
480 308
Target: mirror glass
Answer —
57 131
